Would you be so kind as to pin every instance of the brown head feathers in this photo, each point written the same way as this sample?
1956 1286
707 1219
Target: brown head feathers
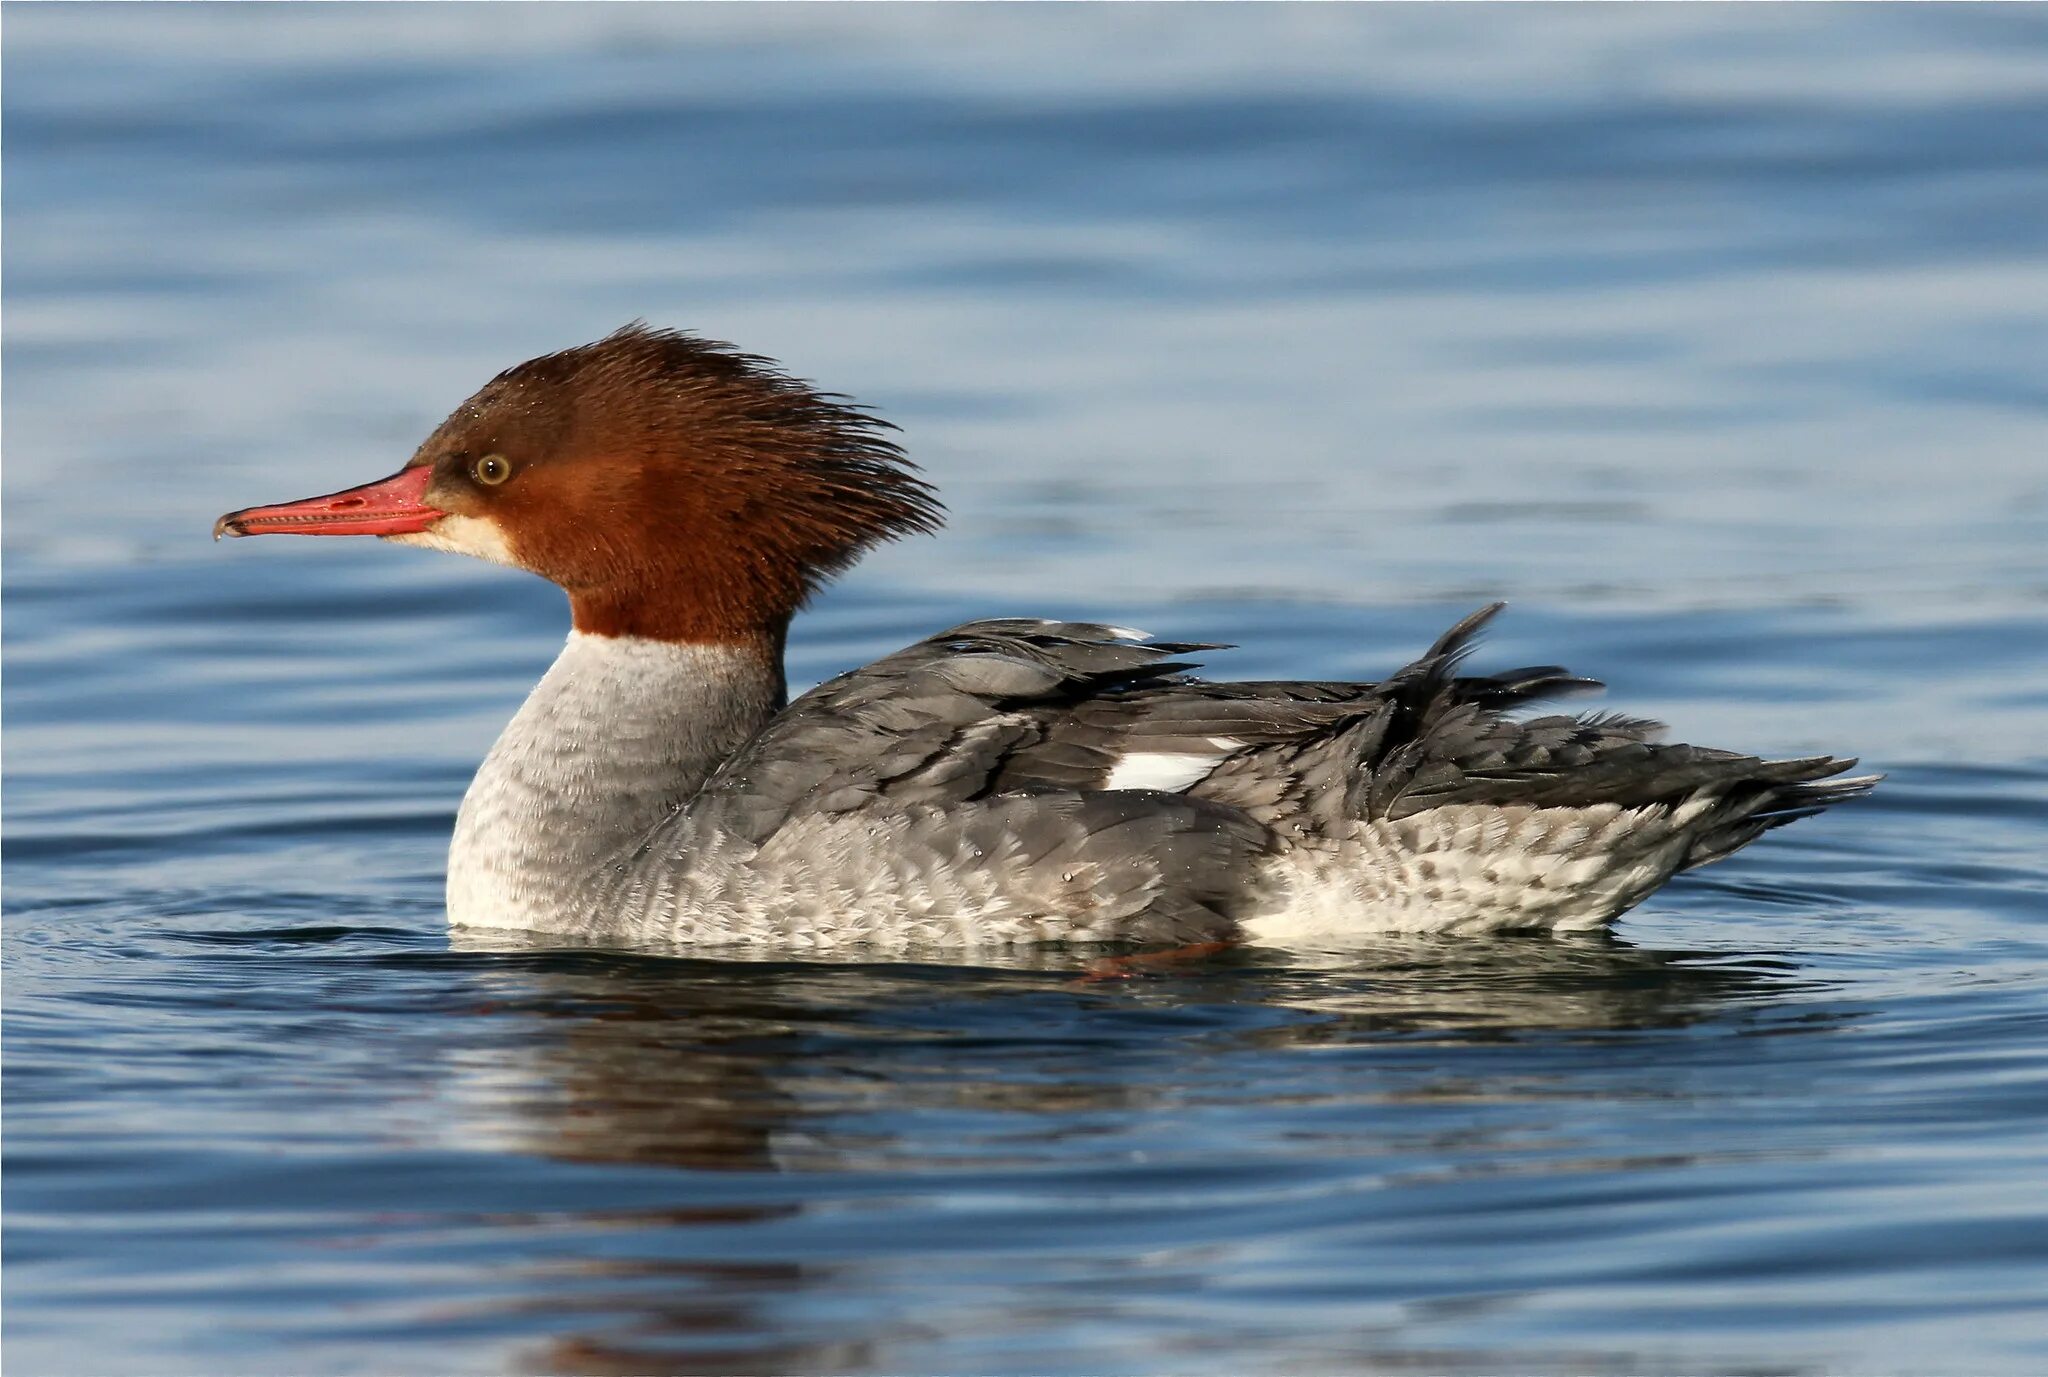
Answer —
674 486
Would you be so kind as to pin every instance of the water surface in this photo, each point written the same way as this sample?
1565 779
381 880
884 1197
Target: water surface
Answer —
1711 337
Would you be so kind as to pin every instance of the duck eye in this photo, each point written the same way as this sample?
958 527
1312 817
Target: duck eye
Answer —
491 470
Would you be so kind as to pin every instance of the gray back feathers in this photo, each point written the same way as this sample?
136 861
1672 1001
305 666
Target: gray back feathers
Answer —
1035 707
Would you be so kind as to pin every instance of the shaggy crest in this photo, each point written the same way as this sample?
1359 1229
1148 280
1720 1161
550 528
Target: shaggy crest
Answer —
678 487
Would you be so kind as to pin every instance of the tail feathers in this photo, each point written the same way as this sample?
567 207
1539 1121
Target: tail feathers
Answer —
1781 791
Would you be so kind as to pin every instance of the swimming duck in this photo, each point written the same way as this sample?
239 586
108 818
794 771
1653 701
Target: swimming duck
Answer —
1002 782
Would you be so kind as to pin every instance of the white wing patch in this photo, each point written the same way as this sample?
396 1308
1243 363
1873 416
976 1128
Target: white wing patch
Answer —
1169 771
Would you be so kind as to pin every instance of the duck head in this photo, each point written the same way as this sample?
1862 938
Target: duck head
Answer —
673 486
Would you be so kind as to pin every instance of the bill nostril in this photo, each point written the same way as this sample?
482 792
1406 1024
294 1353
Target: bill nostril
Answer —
347 502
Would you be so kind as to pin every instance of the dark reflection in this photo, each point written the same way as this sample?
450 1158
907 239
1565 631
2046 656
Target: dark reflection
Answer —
828 1078
1504 987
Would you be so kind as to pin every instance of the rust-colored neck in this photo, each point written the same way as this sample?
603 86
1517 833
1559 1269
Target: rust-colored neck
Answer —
680 621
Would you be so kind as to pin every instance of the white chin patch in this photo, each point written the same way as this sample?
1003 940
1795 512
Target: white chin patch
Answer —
464 535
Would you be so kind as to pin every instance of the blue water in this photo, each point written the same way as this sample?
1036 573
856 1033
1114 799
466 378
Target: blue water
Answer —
1713 337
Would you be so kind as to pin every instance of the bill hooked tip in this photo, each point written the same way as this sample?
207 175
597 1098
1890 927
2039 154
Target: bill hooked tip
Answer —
228 526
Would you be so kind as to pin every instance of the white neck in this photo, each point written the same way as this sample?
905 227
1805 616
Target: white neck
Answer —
614 739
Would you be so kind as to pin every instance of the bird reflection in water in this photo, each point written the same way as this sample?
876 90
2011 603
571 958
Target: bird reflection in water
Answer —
820 1116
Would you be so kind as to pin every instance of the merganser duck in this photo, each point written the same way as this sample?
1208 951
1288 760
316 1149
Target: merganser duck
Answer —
1004 782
